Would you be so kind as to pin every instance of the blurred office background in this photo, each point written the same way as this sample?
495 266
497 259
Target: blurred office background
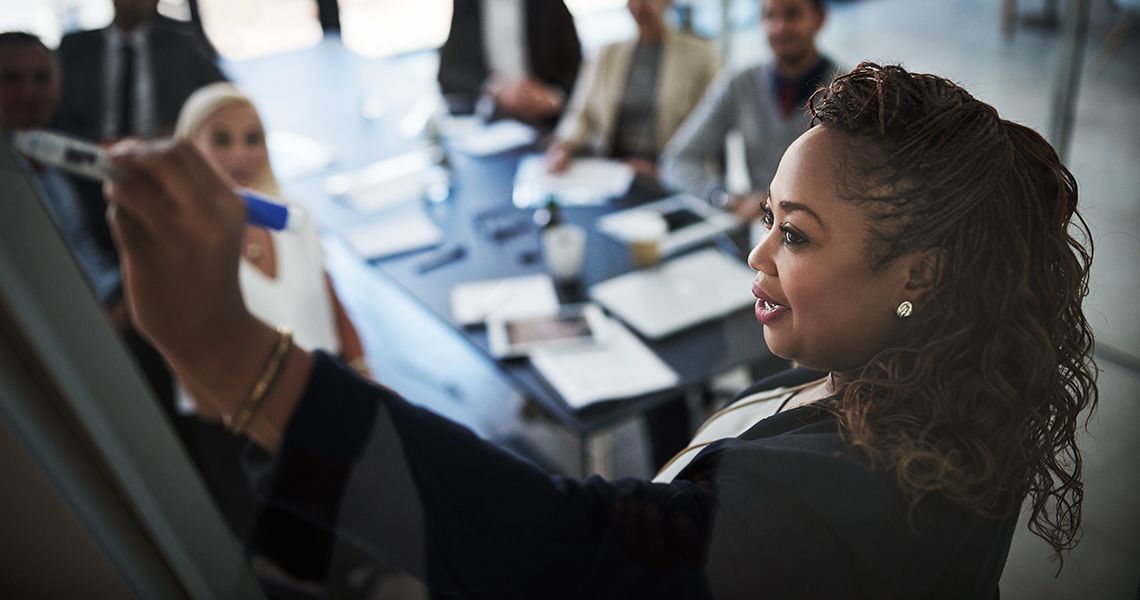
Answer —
1010 53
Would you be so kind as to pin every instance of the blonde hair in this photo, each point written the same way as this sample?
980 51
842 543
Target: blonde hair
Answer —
202 104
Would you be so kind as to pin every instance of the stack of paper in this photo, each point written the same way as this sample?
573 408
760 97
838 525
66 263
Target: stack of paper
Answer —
395 231
621 368
485 139
508 298
389 182
295 156
585 181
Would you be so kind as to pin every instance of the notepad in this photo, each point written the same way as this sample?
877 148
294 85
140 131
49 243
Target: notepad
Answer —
389 182
623 367
492 138
586 181
507 298
295 156
395 231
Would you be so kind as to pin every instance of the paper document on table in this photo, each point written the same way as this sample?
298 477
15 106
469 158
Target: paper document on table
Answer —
388 182
585 181
485 139
507 298
398 230
295 156
623 367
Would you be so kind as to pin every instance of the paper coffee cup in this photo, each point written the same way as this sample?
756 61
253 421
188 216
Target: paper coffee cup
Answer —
644 232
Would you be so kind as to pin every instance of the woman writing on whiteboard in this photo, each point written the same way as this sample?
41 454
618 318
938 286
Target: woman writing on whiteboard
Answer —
921 254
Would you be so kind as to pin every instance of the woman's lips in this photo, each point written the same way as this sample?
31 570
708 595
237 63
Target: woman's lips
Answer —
768 311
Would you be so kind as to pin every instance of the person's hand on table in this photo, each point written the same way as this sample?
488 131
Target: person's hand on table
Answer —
558 156
178 226
527 99
642 167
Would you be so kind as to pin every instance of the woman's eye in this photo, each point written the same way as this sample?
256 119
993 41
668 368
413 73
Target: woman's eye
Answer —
790 237
766 216
253 139
221 139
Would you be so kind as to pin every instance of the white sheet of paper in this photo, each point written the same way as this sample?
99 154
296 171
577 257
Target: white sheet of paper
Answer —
294 155
398 230
623 367
493 138
586 181
381 195
508 298
389 182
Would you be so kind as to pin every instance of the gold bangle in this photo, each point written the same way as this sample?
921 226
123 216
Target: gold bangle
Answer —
239 422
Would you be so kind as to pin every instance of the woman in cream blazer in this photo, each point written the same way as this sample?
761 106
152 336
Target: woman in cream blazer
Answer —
687 65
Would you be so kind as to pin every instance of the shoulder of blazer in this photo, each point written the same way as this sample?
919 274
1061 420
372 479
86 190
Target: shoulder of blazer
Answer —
689 48
81 42
686 40
166 39
609 52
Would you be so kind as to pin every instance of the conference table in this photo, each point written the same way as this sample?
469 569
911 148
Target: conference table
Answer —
325 96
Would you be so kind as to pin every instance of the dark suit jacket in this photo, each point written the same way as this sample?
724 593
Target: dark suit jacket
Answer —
554 52
180 65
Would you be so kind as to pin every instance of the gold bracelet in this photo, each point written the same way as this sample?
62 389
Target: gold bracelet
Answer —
238 423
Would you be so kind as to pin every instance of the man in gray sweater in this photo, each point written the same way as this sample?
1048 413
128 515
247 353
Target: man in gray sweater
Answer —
766 103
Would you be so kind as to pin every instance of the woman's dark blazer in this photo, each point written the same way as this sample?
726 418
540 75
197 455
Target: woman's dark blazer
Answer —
786 510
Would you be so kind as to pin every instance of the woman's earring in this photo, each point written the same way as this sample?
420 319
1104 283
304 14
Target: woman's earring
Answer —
905 309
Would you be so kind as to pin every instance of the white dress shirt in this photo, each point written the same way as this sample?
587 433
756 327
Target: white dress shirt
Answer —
504 38
143 124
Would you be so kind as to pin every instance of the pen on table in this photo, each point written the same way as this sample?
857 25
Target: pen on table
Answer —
86 159
443 256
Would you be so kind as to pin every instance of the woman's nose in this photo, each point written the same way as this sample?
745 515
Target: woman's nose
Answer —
760 258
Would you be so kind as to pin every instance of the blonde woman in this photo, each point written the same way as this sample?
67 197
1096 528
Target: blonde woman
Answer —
282 275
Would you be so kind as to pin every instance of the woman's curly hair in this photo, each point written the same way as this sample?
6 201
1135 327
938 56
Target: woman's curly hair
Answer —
981 405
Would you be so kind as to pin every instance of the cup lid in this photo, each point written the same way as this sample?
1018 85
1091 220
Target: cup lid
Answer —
645 225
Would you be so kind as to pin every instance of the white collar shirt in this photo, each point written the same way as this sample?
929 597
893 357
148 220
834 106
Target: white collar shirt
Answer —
504 38
143 118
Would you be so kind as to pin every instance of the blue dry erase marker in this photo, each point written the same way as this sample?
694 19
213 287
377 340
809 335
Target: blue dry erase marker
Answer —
89 160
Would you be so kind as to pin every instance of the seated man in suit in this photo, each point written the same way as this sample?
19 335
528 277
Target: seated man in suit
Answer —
130 78
521 55
29 95
636 93
766 103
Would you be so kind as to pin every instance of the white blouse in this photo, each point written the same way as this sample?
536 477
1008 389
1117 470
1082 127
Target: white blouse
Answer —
298 297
